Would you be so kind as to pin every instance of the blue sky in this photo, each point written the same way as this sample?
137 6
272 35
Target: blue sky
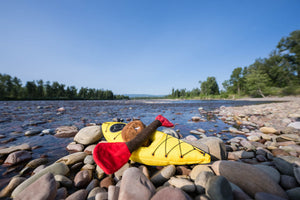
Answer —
139 46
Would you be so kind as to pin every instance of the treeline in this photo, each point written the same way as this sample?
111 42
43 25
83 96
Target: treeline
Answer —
11 89
276 75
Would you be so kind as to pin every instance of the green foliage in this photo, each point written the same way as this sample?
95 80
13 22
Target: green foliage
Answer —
11 89
210 86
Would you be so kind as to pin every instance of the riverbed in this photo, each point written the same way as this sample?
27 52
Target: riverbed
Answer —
17 117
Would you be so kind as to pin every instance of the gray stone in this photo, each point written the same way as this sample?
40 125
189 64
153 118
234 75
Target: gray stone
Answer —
198 144
56 168
89 160
171 132
66 131
88 135
267 196
78 195
271 171
17 157
198 169
89 149
243 154
64 181
183 184
119 173
295 125
169 193
288 182
294 193
203 178
102 196
61 193
238 193
216 146
75 147
283 166
92 194
113 192
135 185
249 178
94 183
33 131
163 175
297 172
99 172
219 188
14 182
72 158
82 178
43 188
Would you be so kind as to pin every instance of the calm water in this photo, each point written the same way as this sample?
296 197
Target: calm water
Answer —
16 117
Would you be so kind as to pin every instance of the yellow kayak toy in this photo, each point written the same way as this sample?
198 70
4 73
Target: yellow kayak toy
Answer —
163 150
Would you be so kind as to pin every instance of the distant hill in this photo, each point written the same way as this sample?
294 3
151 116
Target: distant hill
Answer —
143 95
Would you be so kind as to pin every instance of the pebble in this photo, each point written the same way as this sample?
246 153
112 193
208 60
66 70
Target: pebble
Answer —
267 196
163 175
113 192
94 183
271 171
63 180
101 196
170 193
219 188
294 193
75 147
89 160
11 149
88 135
82 179
33 131
14 182
43 188
106 182
216 146
72 158
92 194
17 157
198 169
66 131
283 166
78 195
253 181
89 149
268 130
288 182
61 193
184 184
135 185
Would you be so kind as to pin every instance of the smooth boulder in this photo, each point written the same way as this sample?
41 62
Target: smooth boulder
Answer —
88 135
253 181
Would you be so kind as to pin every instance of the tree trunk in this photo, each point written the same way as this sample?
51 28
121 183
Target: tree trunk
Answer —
260 92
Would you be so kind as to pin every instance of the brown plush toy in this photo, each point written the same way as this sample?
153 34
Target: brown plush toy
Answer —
132 129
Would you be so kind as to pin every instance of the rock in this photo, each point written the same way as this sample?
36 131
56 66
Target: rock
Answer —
279 152
271 171
217 148
238 193
61 193
89 149
196 119
78 195
33 131
183 184
75 147
168 193
17 157
113 192
99 172
94 183
106 182
33 164
89 160
268 130
64 181
163 175
294 193
288 182
242 154
38 169
61 109
82 179
261 158
283 166
267 196
219 188
135 185
145 171
247 145
171 132
88 135
92 194
101 196
290 130
118 174
66 131
43 188
14 182
14 148
190 138
234 130
297 172
72 158
55 169
182 170
253 138
253 181
288 137
48 131
198 169
295 125
203 177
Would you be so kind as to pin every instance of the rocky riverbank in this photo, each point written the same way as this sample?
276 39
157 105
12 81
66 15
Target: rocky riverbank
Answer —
262 162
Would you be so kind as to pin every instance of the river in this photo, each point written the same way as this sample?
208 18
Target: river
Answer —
16 117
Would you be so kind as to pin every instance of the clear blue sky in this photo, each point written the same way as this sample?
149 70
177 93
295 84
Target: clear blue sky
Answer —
139 46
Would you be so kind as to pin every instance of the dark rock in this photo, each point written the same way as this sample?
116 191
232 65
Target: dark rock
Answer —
219 188
78 195
17 157
170 193
106 182
267 196
82 178
294 193
288 182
